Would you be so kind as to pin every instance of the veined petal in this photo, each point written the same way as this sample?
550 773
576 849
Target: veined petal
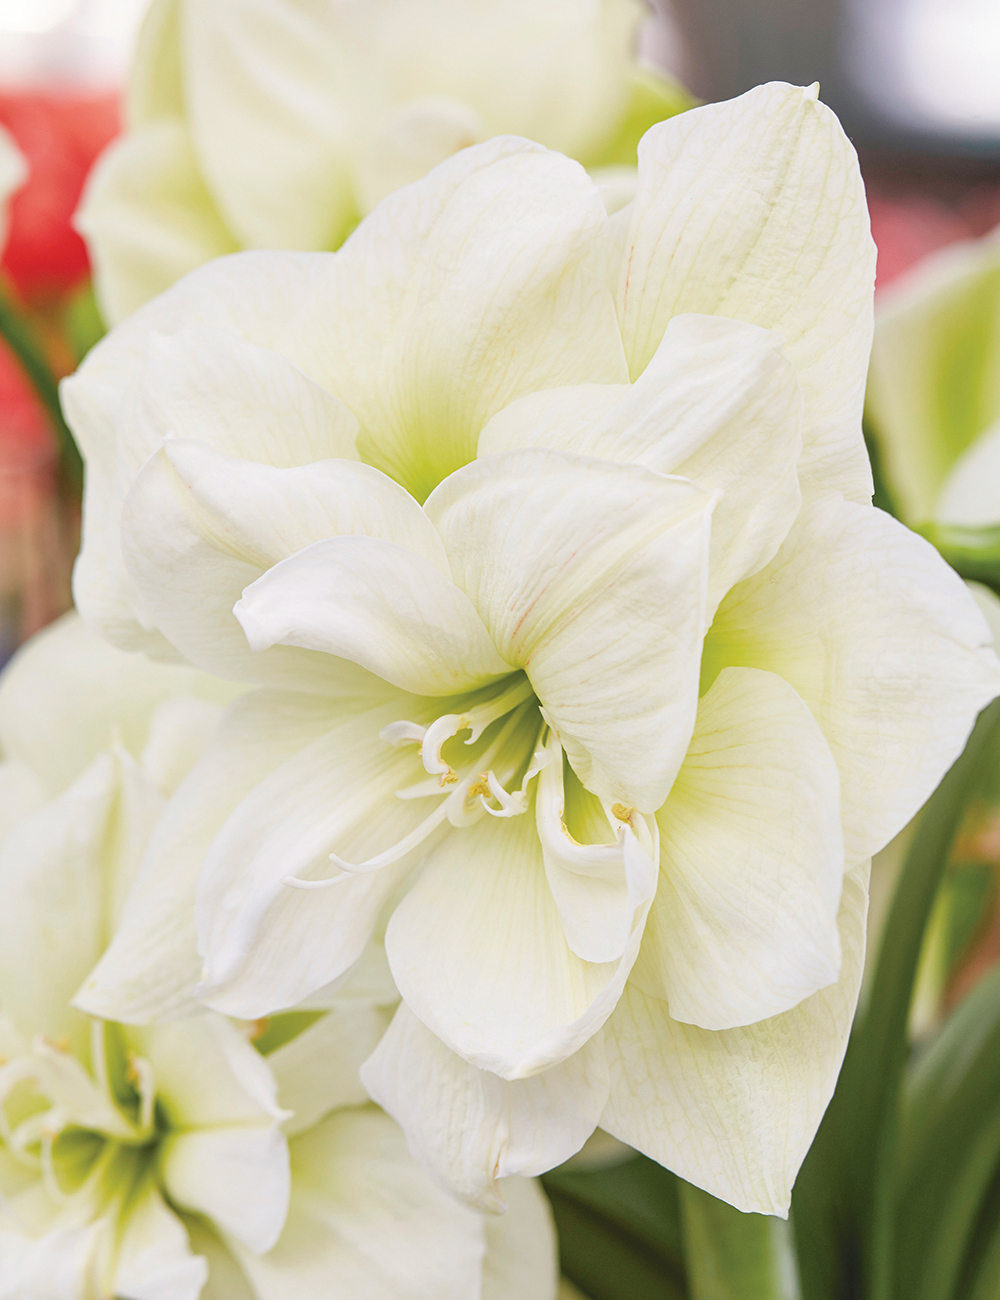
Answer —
755 209
744 923
318 1070
882 641
150 969
521 1255
267 945
718 404
378 604
199 527
591 576
238 1176
735 1111
148 217
477 950
155 1261
364 1213
474 1129
459 294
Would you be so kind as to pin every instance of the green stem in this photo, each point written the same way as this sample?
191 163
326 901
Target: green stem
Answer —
733 1256
19 335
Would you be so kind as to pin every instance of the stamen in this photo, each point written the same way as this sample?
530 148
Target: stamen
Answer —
476 721
402 733
398 850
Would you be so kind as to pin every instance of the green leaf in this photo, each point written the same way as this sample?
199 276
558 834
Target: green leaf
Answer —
735 1256
949 1146
845 1199
619 1230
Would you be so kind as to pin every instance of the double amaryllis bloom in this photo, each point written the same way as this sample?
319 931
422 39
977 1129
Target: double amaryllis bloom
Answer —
204 1157
280 124
589 672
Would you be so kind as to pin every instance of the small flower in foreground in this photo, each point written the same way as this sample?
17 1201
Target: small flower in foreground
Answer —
933 395
145 1162
586 657
279 125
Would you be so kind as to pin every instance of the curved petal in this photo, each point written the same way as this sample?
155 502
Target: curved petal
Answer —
970 495
379 605
591 576
155 1261
521 1254
478 952
267 945
150 969
364 1213
882 641
718 404
755 209
198 528
148 217
735 1111
457 295
744 923
61 1265
474 1130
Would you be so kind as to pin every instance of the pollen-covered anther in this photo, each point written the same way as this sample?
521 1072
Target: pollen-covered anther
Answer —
622 812
448 778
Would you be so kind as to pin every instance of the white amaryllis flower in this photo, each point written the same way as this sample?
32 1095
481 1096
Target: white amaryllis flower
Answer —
586 659
176 1161
933 397
280 123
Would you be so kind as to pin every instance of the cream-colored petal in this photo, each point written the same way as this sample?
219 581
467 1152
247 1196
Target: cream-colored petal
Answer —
591 576
148 217
459 294
735 1111
744 923
363 1213
58 1266
478 952
882 641
970 495
155 1261
521 1254
266 945
755 209
379 605
473 1129
718 404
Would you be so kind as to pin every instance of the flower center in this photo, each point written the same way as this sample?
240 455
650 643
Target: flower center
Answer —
491 771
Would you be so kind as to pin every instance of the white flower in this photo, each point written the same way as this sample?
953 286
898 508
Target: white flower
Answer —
611 723
145 1162
279 124
933 394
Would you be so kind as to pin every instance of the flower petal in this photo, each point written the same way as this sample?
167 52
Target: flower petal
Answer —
744 923
155 1261
521 1255
882 641
755 209
267 945
199 527
61 1265
147 217
364 1213
591 576
379 605
479 954
457 295
473 1129
718 404
735 1111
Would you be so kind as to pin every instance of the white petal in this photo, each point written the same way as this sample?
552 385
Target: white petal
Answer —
267 945
318 1070
591 576
718 404
226 1279
459 294
744 923
151 967
238 1176
755 209
147 217
57 1266
521 1256
363 1213
473 1129
199 527
882 641
155 1261
478 952
970 495
379 605
735 1111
